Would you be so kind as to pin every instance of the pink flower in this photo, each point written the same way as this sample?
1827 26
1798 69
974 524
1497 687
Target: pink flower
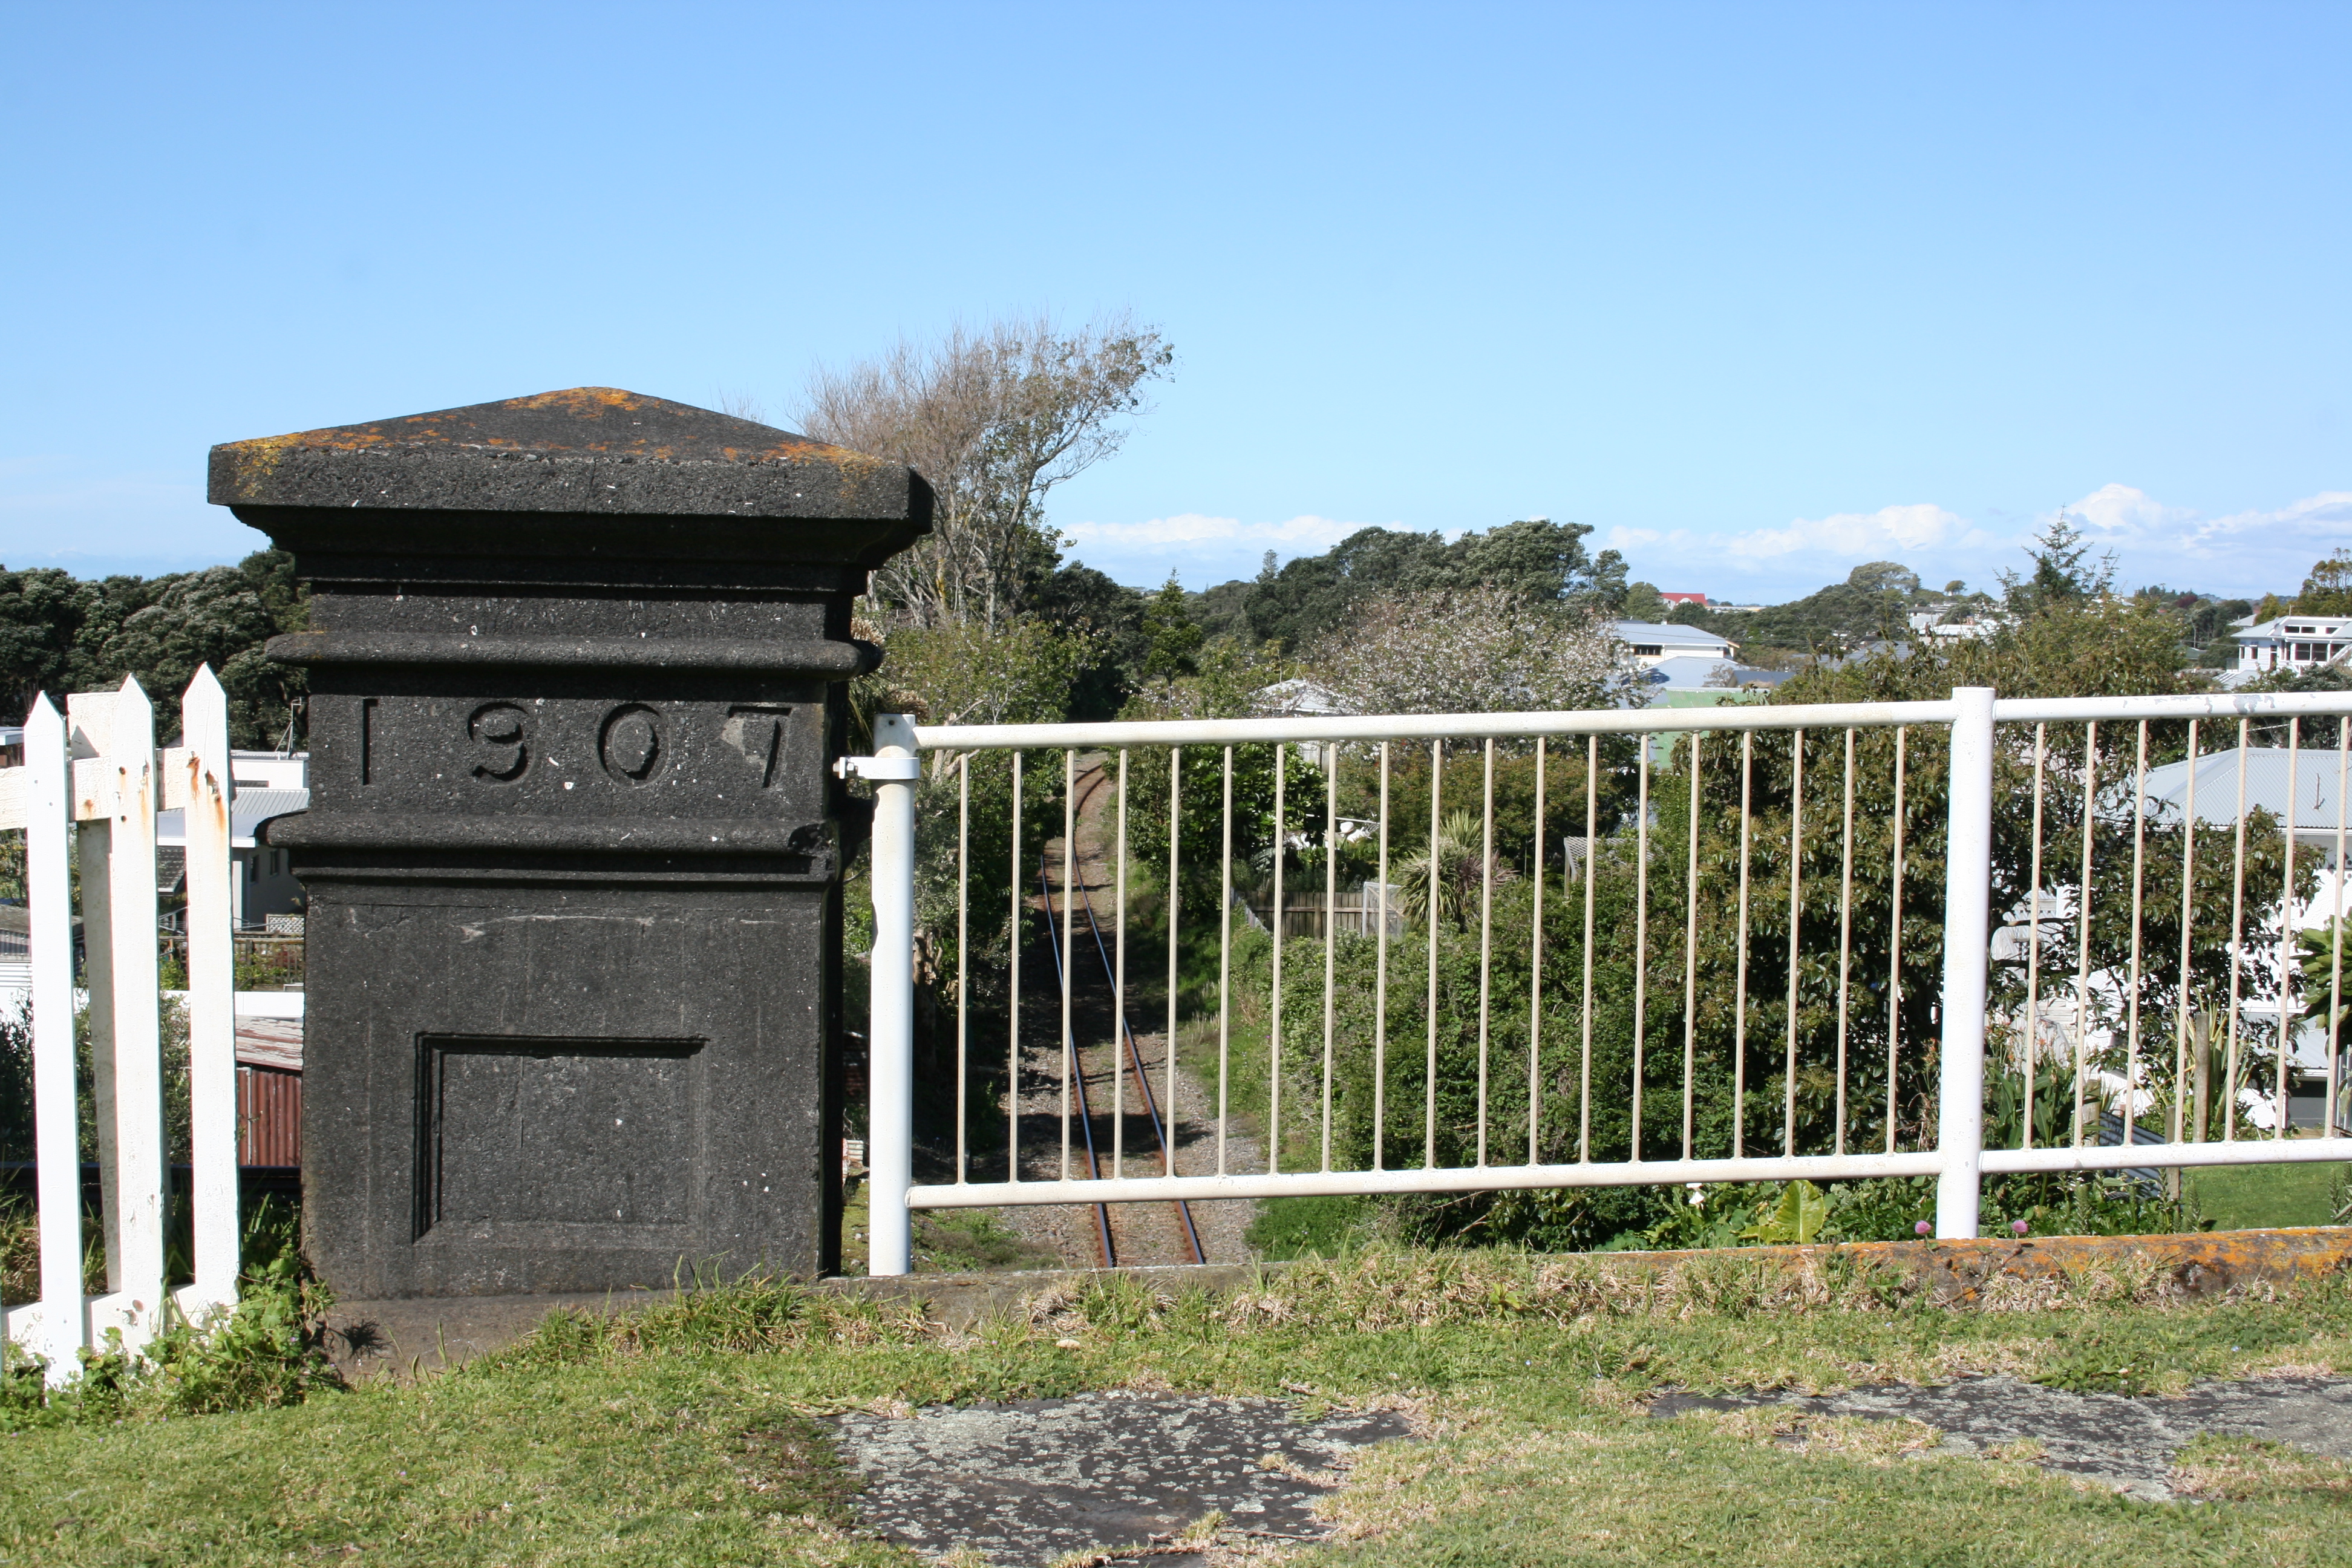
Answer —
1924 1228
2018 1226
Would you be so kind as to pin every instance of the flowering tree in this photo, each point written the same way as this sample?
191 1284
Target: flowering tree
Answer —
1486 649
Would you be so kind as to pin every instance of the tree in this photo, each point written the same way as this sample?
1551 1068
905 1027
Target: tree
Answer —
1882 577
1644 603
1172 639
1535 558
2064 571
1468 650
1108 618
2328 590
61 635
994 420
41 616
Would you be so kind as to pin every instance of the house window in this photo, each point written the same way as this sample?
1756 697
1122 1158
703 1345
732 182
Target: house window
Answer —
1647 650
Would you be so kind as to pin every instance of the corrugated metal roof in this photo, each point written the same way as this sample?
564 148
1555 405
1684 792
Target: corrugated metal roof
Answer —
249 809
2311 787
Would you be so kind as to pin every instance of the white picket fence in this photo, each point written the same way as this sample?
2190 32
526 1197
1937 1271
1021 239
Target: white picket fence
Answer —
91 785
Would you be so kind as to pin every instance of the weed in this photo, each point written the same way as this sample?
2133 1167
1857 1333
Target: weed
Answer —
268 1351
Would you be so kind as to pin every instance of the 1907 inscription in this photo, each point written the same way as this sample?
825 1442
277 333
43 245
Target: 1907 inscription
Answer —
529 753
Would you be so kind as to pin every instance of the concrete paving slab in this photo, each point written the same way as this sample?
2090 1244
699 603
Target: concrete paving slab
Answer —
2120 1440
1025 1482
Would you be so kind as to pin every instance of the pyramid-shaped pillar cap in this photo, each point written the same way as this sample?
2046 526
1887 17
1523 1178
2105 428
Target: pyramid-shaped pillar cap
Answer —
586 449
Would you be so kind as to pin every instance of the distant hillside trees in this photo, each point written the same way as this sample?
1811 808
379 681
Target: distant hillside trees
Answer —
1535 560
61 634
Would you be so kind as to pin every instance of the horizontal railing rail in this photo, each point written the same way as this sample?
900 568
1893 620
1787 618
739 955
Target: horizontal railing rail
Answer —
1741 943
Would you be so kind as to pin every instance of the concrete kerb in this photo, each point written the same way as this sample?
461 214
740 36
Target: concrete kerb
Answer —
429 1334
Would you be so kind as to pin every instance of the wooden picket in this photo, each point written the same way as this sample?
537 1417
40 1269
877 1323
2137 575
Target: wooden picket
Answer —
92 777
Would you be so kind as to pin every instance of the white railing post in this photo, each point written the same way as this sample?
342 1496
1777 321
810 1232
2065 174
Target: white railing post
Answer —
890 1033
1968 900
48 895
208 788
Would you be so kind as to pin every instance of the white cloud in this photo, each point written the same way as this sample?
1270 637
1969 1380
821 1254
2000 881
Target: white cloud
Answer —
2121 514
1861 536
2241 552
1296 535
2124 519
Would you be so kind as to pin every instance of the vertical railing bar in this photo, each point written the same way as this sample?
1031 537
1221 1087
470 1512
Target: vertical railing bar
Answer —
2031 1059
2335 928
1273 1023
1069 964
2139 866
1119 987
1012 1005
1641 938
1690 958
1845 937
1740 993
1534 971
2187 911
49 892
1486 936
2083 929
1175 884
1796 920
1380 988
1591 877
2237 946
1429 1081
2287 1007
1330 927
1225 966
964 960
1895 945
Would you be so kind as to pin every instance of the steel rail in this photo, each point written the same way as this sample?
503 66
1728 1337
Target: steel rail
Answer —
1073 1079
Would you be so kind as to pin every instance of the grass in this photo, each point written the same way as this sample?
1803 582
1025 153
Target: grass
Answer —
683 1434
2249 1197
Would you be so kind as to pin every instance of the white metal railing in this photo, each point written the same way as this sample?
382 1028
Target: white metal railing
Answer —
89 789
1808 880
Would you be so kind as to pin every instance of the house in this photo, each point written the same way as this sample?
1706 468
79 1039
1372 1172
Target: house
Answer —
263 891
1648 642
2293 642
2305 797
1698 599
1693 681
1931 623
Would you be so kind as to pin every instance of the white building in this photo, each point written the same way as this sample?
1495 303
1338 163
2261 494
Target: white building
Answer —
2293 642
1649 642
268 785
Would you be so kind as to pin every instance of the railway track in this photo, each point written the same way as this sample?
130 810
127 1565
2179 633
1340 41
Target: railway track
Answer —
1124 1040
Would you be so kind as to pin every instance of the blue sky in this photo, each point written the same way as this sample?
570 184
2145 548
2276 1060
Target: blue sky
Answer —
1758 292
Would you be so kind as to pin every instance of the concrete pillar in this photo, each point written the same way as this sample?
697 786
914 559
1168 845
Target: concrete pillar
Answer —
573 848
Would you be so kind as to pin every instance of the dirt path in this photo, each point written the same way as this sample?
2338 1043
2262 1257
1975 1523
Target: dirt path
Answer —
1141 1233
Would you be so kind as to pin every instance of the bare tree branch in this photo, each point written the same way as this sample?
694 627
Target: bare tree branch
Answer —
994 420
